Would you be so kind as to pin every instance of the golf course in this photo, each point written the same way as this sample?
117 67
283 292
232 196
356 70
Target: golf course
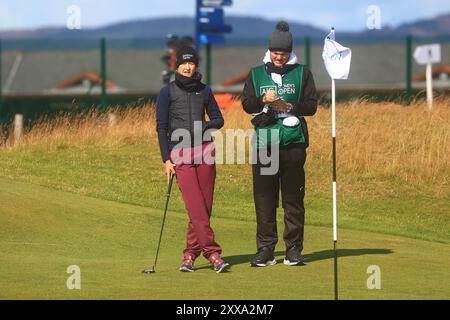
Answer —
78 192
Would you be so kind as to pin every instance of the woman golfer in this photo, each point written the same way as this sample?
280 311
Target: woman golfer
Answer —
188 152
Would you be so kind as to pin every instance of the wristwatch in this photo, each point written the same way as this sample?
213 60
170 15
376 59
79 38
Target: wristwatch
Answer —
289 107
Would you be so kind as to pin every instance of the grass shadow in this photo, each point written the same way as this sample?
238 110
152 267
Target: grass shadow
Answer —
329 254
312 257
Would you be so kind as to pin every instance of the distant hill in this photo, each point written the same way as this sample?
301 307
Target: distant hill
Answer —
243 27
426 28
247 31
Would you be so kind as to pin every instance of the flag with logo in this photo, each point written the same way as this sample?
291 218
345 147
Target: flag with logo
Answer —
336 57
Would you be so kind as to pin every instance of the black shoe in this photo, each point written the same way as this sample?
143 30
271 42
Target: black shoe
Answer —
294 258
263 258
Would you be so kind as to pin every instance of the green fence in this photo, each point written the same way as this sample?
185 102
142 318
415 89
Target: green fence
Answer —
132 75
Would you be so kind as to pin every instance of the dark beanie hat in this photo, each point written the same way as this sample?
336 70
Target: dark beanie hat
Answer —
186 54
281 38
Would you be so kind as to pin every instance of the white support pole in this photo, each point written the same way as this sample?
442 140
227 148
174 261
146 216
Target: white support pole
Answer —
429 76
112 119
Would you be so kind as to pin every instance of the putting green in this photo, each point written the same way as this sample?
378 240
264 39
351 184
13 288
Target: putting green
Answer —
43 231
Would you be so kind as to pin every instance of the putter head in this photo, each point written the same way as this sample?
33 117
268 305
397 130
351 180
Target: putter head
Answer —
148 271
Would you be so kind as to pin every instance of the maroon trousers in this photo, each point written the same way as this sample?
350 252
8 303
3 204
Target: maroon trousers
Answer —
196 174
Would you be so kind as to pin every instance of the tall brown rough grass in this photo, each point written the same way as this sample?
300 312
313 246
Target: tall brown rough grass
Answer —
387 139
373 139
131 125
378 139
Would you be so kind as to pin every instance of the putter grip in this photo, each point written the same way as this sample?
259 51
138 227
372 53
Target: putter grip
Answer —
169 187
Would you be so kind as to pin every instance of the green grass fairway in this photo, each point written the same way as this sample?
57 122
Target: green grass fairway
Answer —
43 231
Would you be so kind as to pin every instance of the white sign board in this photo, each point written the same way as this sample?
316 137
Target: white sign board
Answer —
212 3
426 54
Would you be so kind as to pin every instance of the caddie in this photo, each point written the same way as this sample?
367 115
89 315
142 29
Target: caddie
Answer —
279 93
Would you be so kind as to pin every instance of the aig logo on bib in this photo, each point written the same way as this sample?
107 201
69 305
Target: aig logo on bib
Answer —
263 90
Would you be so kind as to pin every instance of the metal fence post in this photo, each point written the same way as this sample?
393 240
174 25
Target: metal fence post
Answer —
3 131
409 92
308 52
103 73
1 90
208 64
197 26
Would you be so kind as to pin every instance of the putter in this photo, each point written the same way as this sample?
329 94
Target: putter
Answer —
169 188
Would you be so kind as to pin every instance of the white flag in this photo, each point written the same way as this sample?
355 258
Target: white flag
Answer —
336 57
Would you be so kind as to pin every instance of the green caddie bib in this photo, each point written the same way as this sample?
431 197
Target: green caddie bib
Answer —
290 91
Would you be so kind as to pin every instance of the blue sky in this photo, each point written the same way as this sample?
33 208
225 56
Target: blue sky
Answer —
344 14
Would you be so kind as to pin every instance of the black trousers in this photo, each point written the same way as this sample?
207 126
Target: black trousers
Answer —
266 189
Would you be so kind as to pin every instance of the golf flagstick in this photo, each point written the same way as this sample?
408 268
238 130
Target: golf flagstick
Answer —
337 61
333 135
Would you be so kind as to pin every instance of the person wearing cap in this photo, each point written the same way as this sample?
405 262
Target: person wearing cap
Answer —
279 93
188 152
